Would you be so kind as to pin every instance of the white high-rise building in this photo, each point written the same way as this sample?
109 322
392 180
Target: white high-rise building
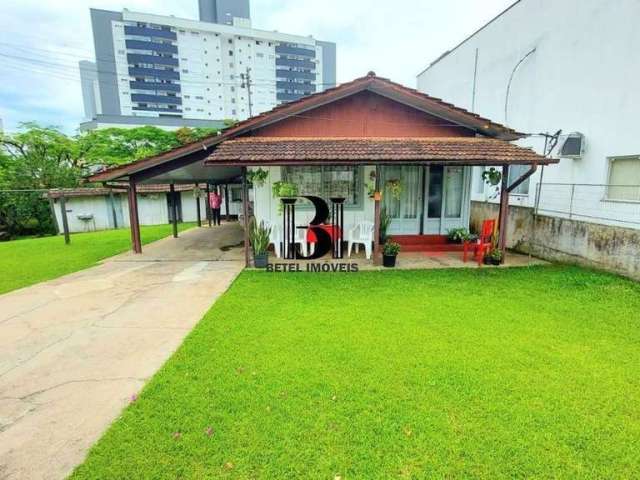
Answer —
172 72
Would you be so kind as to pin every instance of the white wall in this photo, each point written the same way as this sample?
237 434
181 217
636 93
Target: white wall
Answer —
582 77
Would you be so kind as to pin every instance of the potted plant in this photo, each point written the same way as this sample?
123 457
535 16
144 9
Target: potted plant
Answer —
494 257
385 221
259 237
257 177
492 176
390 251
458 235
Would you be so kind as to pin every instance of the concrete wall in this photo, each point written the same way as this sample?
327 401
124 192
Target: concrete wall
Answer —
611 248
580 78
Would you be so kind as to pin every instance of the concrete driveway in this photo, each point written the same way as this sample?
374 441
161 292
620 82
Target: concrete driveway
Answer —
73 351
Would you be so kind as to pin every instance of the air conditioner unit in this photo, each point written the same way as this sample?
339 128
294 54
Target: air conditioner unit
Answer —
573 146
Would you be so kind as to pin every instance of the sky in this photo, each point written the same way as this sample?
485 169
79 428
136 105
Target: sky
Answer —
41 42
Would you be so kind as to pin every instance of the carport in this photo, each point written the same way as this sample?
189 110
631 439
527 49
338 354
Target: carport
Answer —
183 165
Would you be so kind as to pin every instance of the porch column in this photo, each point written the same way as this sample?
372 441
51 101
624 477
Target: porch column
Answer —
174 210
376 219
503 218
207 205
226 201
198 216
245 212
133 217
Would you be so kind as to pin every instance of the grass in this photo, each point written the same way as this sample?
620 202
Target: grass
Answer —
32 260
509 373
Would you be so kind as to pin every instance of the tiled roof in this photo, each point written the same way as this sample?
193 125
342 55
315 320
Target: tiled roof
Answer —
370 82
463 150
94 192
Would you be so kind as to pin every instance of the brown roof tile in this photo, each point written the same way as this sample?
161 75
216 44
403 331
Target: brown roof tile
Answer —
463 150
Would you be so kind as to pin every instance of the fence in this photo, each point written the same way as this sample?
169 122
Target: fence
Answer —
617 205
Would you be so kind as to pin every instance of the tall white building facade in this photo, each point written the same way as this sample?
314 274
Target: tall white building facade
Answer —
544 65
171 72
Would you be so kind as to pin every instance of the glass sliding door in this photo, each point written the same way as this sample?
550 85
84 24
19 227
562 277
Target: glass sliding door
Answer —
406 211
446 199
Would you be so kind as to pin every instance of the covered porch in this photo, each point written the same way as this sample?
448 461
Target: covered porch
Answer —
379 156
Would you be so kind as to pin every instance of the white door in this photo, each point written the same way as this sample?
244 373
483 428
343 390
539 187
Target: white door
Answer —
405 211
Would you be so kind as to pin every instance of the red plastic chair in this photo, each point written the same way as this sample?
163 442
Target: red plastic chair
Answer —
482 246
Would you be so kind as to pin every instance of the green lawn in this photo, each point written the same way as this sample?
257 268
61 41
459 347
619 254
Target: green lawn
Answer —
492 373
33 260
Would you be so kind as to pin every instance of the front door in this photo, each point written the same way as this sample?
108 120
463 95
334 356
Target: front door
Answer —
406 210
445 200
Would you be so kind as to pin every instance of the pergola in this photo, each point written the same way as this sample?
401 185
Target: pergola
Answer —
369 121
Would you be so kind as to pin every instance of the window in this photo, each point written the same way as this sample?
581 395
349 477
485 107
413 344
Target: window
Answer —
515 172
327 182
624 179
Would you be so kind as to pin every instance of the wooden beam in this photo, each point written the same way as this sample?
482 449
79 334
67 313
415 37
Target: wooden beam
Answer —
208 205
503 218
174 209
226 201
376 220
65 221
198 213
245 212
133 217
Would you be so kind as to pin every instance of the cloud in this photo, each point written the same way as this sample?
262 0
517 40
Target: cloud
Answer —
395 39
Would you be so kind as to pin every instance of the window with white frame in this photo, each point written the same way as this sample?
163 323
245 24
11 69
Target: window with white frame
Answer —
479 181
624 179
515 172
327 182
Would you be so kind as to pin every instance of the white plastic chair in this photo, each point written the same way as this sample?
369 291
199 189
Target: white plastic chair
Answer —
276 239
361 234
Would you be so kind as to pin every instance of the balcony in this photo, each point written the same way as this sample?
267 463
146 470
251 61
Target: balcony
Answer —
141 97
296 63
152 46
152 59
149 32
152 72
167 87
303 52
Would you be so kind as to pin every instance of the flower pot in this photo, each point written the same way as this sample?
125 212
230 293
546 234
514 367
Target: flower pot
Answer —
261 260
491 261
389 261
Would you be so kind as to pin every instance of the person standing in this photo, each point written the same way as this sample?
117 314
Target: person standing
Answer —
215 200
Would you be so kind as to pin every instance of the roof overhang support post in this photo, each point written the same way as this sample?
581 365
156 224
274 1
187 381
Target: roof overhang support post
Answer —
208 203
226 201
504 212
65 221
376 220
198 213
506 189
245 214
133 216
174 209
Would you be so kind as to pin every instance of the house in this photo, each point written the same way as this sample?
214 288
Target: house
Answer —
412 152
90 209
543 66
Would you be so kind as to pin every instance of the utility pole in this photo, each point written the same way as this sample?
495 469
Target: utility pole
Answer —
246 83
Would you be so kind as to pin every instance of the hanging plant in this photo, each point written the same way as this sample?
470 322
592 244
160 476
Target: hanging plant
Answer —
284 189
197 192
371 184
395 188
492 176
257 177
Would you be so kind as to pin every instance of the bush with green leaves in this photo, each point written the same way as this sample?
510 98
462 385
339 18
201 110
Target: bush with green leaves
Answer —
391 249
259 237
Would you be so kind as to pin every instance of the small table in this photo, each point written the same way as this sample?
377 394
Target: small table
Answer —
311 236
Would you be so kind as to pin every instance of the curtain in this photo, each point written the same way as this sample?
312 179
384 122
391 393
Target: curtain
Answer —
454 183
411 191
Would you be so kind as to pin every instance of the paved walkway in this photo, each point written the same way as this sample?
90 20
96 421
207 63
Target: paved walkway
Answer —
74 350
